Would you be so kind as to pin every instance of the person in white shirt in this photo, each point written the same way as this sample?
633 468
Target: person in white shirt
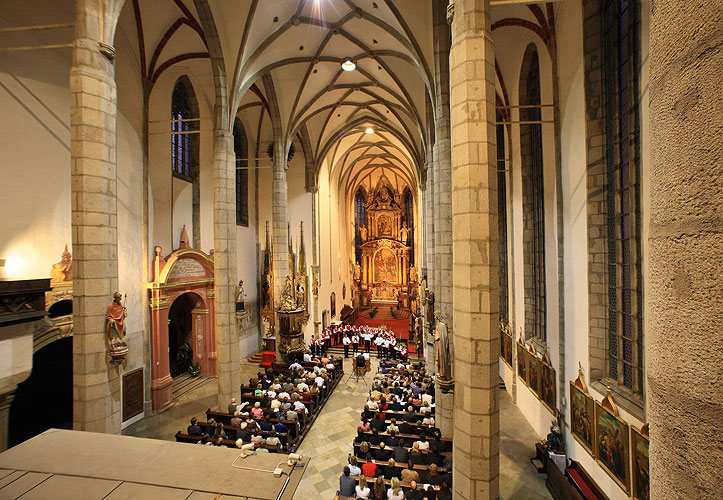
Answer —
319 381
362 490
347 342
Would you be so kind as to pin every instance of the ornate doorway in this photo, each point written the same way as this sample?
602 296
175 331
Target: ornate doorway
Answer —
182 312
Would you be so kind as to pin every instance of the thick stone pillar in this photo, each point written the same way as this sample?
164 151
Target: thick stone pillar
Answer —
224 266
93 111
280 221
5 402
474 221
685 265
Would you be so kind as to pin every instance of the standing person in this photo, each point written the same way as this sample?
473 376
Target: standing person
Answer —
355 342
378 343
327 341
367 340
346 341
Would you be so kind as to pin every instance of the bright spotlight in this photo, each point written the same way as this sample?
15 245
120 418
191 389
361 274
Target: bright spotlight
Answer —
348 65
369 130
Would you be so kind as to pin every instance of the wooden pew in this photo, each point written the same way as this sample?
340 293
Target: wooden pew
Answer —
225 418
230 443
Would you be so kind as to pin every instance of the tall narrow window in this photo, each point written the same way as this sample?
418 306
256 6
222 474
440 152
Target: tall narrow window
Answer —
533 196
409 220
359 221
625 332
502 220
241 148
184 130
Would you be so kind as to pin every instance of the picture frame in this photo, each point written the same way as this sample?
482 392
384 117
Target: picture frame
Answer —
548 385
533 371
582 414
521 361
612 442
640 462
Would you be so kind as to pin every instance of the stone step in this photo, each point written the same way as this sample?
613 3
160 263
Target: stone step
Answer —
185 383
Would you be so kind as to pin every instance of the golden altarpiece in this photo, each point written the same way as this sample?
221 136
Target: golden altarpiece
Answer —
384 277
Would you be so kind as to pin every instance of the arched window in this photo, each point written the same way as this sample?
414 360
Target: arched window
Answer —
184 130
409 220
241 148
533 196
359 220
502 220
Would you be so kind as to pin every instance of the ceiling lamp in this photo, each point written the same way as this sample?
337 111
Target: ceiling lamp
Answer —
348 65
369 130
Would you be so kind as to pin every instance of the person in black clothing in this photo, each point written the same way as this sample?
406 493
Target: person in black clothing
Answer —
243 434
392 470
410 416
266 424
360 437
194 429
347 484
406 428
378 424
375 438
400 454
392 440
413 493
382 454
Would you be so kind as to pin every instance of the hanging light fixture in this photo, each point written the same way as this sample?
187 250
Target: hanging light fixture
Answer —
369 130
348 65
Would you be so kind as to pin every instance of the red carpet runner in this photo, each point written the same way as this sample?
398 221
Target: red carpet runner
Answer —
400 327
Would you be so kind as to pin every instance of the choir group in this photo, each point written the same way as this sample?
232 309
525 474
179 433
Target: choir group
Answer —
360 337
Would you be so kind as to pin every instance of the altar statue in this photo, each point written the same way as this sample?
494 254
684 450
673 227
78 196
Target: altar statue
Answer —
404 234
364 232
240 294
413 274
357 272
287 296
300 293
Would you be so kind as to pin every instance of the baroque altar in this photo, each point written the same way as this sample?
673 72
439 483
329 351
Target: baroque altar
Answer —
383 275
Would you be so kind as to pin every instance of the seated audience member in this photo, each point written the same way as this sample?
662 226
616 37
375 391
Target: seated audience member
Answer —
360 436
415 455
410 416
281 428
392 427
243 434
205 439
362 450
256 411
383 453
400 454
259 392
354 466
219 432
409 474
256 438
265 424
232 406
375 438
392 440
395 492
347 484
194 429
433 477
364 425
362 490
422 442
379 492
391 470
378 424
369 469
273 439
406 428
293 416
236 419
444 492
413 493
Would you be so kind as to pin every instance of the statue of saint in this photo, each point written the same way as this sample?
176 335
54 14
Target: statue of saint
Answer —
441 338
115 321
240 294
266 291
404 234
300 293
357 272
63 270
364 232
287 296
413 274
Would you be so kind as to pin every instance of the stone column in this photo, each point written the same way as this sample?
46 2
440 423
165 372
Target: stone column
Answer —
93 110
315 260
224 267
474 221
280 221
685 265
443 196
5 402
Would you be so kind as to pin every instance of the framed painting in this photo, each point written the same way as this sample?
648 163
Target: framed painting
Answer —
548 385
508 349
640 476
522 362
612 442
533 371
582 414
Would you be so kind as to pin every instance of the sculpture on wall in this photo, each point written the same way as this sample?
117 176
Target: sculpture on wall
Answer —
300 294
63 270
287 296
364 232
444 360
413 274
240 294
404 233
116 329
357 272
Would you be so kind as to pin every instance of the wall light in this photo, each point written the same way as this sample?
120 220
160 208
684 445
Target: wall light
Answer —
369 130
3 274
348 65
13 267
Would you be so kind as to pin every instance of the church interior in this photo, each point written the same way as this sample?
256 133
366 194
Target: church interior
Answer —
512 206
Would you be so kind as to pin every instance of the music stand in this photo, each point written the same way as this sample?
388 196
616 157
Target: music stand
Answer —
359 370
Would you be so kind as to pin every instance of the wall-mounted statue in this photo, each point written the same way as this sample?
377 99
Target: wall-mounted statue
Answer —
63 270
300 293
357 272
445 379
287 296
240 294
413 274
115 328
364 232
404 234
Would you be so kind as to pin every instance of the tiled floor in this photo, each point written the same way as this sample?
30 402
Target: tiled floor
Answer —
329 442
